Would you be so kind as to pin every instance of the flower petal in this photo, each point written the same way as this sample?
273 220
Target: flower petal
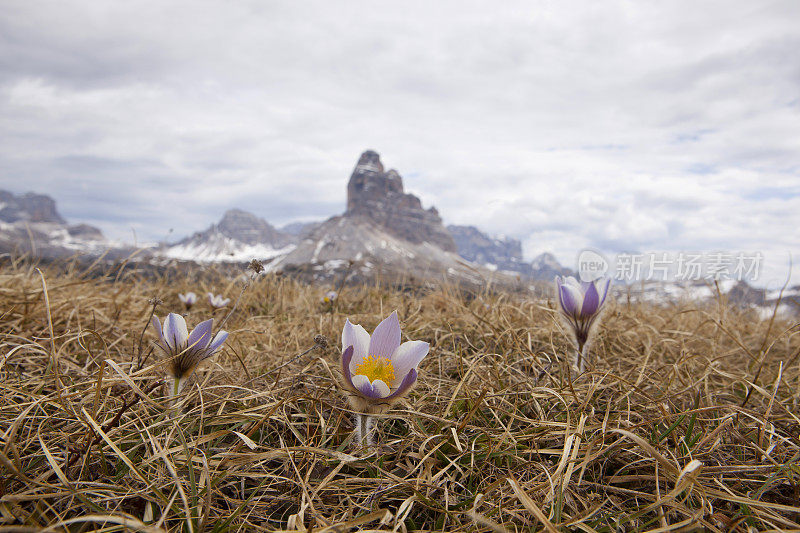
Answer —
380 388
156 323
347 356
161 342
406 358
604 291
591 301
175 332
201 335
357 337
409 380
217 341
570 298
559 284
362 385
386 337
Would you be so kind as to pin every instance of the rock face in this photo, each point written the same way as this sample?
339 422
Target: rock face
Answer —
28 207
504 253
30 223
299 229
378 197
239 236
356 249
250 229
85 232
743 295
546 267
474 245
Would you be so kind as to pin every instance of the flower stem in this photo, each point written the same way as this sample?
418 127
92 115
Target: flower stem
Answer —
359 434
369 424
582 356
364 429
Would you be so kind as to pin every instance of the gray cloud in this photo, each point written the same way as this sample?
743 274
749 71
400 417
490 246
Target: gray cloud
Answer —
622 126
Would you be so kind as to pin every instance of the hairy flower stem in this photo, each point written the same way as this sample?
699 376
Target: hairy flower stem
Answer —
582 356
365 424
173 401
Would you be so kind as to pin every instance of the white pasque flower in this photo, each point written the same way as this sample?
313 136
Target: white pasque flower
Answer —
217 301
379 368
186 350
188 299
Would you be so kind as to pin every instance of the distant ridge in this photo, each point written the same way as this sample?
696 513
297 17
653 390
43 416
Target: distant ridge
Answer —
238 237
383 228
30 223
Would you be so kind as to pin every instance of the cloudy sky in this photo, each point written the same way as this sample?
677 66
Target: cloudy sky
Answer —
623 126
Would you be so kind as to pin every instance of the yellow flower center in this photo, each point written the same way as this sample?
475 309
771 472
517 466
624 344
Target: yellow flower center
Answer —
375 367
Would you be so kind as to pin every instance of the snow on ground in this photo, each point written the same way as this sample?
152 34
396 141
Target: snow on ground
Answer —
224 250
765 311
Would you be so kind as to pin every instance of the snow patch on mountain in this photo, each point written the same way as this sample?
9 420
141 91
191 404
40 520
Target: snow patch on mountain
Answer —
220 248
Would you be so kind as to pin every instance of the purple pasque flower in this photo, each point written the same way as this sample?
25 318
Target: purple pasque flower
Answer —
378 368
581 303
188 299
330 297
186 350
217 301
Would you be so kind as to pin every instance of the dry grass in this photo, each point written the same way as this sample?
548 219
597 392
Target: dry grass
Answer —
498 436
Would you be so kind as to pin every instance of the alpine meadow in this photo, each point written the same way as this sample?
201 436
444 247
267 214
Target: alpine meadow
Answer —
452 266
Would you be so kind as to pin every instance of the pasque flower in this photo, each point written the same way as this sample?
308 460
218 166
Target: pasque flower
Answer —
581 304
378 370
186 350
217 301
330 297
188 299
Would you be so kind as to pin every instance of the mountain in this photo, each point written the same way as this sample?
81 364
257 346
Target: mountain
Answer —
238 237
505 254
384 231
299 229
494 252
30 223
377 197
28 207
546 267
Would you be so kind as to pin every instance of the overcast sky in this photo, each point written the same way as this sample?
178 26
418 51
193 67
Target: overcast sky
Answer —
623 126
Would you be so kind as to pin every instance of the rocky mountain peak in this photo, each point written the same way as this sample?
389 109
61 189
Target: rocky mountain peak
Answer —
545 260
248 228
29 207
545 266
238 237
476 246
378 196
244 227
370 161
